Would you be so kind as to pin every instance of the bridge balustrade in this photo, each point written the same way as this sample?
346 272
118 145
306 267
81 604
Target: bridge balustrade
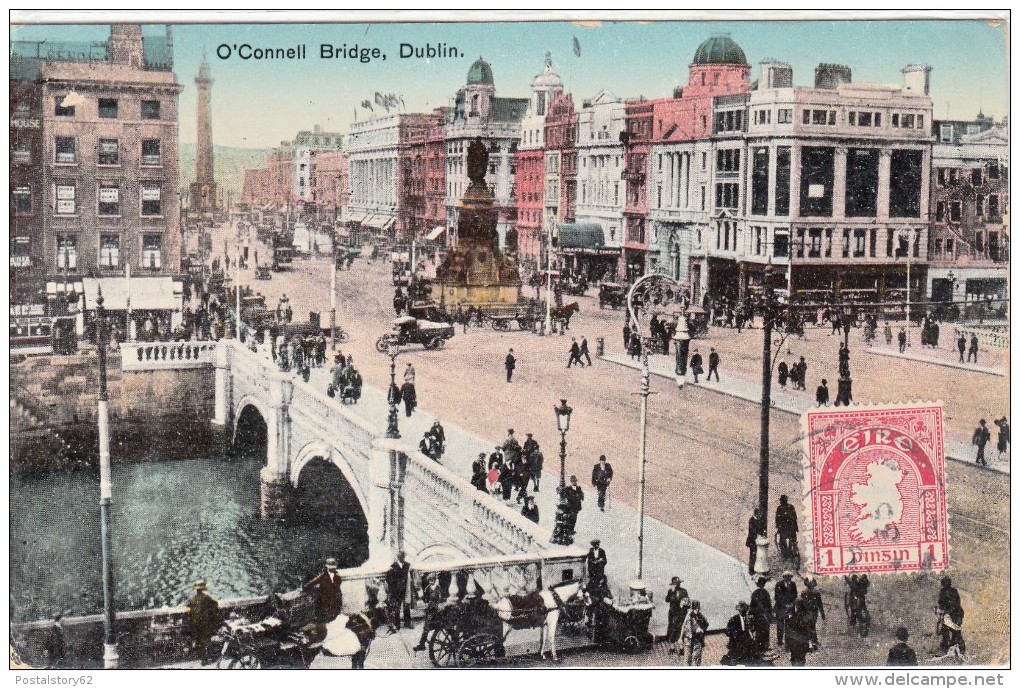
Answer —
156 356
988 338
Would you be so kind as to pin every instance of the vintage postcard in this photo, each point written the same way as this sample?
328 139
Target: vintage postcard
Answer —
503 340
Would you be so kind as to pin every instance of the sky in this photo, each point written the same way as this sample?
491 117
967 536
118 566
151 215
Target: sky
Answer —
258 104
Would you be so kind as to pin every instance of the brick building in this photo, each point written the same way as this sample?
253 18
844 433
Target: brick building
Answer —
329 183
636 151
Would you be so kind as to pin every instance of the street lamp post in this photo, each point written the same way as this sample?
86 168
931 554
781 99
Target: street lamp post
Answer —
682 343
332 298
392 429
761 561
645 392
548 283
562 534
110 656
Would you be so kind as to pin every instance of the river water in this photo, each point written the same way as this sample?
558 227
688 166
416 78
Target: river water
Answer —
173 523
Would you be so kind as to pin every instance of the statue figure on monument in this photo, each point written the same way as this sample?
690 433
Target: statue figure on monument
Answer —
477 162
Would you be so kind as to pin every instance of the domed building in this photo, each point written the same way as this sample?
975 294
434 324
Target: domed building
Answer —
718 62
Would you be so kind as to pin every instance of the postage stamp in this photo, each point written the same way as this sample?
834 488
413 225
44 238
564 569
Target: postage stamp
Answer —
876 489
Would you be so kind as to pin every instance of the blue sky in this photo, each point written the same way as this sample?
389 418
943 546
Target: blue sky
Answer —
258 104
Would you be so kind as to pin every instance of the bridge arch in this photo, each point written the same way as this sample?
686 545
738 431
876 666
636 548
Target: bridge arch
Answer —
438 552
323 450
244 403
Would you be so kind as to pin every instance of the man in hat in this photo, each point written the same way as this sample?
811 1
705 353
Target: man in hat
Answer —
738 633
980 438
330 597
510 364
530 509
677 599
786 594
761 614
696 365
204 613
601 477
692 634
433 596
396 592
596 560
951 613
901 654
813 609
575 501
786 527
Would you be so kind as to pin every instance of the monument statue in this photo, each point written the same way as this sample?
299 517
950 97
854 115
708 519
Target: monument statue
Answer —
477 162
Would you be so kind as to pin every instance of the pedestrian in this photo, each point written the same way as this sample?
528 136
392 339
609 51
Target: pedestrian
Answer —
784 374
798 633
822 394
54 647
814 608
530 509
575 501
478 473
755 528
510 364
409 373
901 655
596 560
330 597
713 365
433 596
1003 443
397 577
973 351
980 438
439 435
584 351
575 353
506 479
961 345
901 337
786 595
696 365
634 349
786 527
535 468
761 615
676 596
802 374
409 396
204 618
496 458
601 477
856 600
529 449
950 611
738 637
692 634
888 333
626 335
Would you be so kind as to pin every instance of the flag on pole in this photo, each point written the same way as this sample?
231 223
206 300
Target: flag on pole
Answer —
367 105
379 100
355 114
577 47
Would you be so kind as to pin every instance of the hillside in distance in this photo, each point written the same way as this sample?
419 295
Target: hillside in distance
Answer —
229 164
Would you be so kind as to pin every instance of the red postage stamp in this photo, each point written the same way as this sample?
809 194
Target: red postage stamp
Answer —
876 489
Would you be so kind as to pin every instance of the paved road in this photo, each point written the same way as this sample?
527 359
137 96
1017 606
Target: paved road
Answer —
702 446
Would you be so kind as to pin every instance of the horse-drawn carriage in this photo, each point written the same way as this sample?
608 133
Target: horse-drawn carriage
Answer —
613 295
528 313
410 330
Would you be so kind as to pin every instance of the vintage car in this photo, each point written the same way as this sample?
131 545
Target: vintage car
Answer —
410 330
611 294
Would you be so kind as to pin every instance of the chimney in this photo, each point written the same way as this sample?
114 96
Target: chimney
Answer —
318 129
775 75
125 45
916 79
829 76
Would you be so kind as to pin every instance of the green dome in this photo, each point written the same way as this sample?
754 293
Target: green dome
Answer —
481 73
719 50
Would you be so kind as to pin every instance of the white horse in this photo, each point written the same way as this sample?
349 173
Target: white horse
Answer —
547 616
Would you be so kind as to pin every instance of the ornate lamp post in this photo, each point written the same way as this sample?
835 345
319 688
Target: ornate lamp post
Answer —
110 656
562 534
392 430
682 343
332 296
761 560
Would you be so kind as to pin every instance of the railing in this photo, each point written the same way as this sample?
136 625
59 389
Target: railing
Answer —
988 338
152 356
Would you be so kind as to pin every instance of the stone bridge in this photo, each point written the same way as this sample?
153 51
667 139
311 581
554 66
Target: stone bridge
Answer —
410 502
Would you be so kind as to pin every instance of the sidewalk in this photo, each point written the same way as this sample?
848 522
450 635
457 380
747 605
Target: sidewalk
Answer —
796 403
711 576
939 357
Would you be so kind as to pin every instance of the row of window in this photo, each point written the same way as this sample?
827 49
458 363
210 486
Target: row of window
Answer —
109 108
993 249
109 198
951 175
109 251
764 116
955 208
107 151
819 242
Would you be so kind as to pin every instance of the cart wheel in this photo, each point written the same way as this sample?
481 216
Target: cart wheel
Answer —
499 325
382 345
438 343
631 643
244 662
343 336
476 649
443 648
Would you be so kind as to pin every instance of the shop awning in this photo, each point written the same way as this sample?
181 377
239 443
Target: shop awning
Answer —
389 223
356 217
379 221
147 294
436 233
581 236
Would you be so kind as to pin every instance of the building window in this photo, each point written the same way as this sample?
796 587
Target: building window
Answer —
108 107
704 160
861 182
151 251
109 198
993 206
62 110
67 251
979 205
66 199
946 133
109 251
728 160
814 243
150 152
781 245
109 152
150 109
940 210
860 243
806 116
895 120
703 194
65 146
993 171
817 177
976 177
956 211
760 182
22 151
784 116
21 199
152 203
905 175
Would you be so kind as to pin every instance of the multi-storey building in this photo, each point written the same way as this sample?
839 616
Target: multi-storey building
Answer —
684 161
101 188
26 234
969 241
636 150
836 187
478 113
529 177
330 184
599 213
305 144
435 175
414 149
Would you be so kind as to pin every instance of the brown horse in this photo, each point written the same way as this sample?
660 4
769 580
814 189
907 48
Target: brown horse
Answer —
563 313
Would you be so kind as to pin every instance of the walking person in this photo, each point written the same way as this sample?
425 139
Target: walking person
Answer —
961 345
980 438
713 365
761 615
798 633
601 477
692 634
901 654
801 374
738 638
626 335
783 373
433 596
575 353
530 509
755 527
888 333
510 364
479 478
397 578
204 618
814 608
1003 443
786 595
950 610
575 501
409 396
696 365
330 597
409 373
822 394
973 351
676 597
786 527
901 338
584 351
596 560
535 468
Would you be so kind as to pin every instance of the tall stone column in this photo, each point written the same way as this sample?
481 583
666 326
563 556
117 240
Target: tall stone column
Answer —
385 530
884 166
839 184
221 403
274 479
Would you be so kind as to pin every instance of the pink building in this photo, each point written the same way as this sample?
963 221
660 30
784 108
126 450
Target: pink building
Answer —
329 182
636 151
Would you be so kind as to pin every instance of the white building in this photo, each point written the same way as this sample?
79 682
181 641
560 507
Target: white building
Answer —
304 144
373 150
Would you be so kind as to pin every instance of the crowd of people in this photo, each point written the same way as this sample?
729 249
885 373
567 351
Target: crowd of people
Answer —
511 466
